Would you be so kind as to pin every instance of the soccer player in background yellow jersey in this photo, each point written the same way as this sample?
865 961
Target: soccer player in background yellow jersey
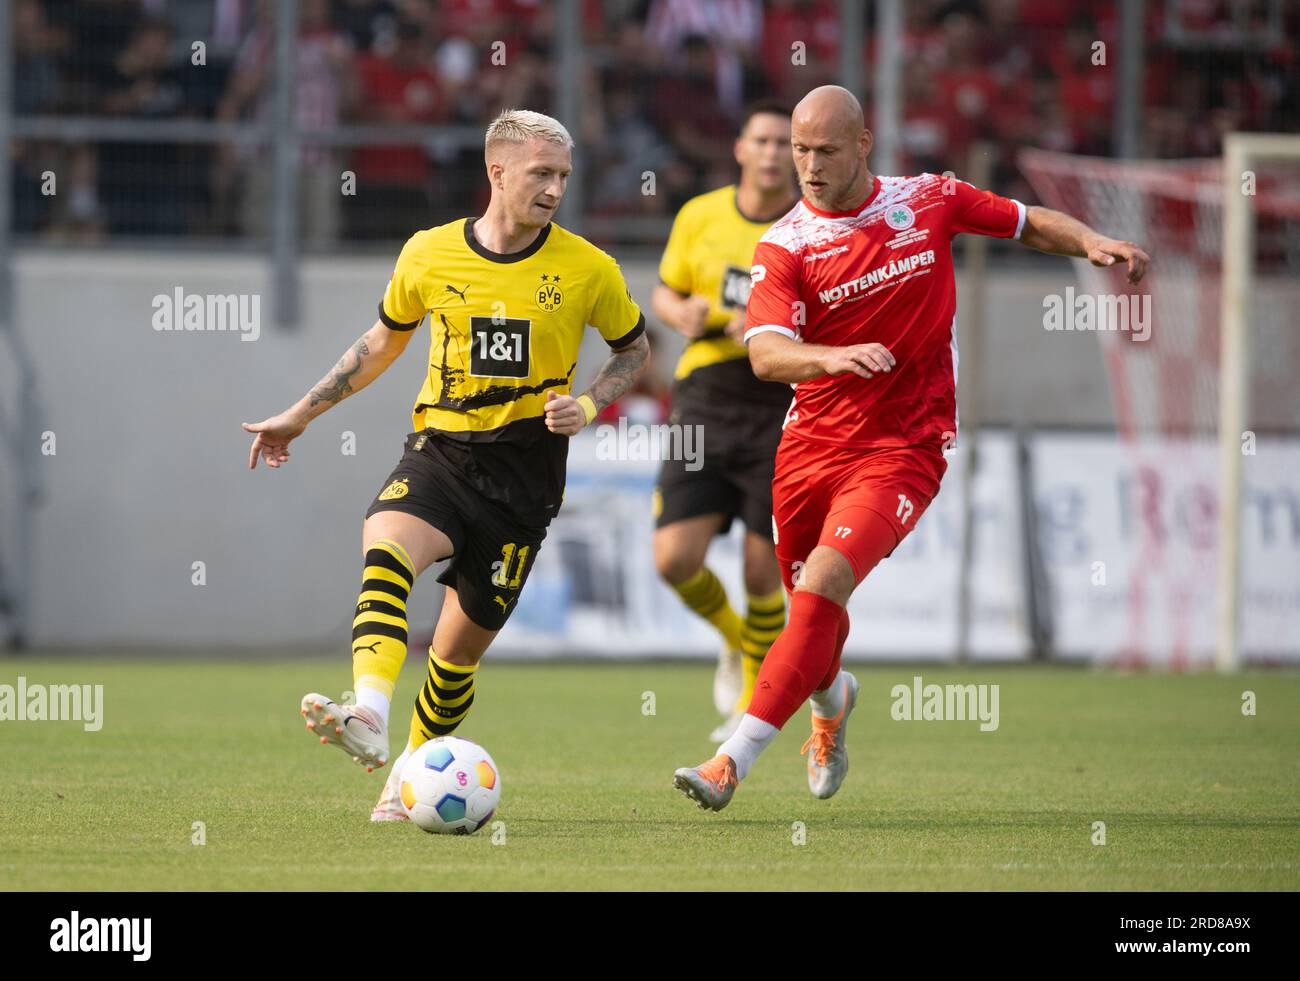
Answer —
703 290
508 296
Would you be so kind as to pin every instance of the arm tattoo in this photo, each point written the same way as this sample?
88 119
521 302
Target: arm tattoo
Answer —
334 387
619 373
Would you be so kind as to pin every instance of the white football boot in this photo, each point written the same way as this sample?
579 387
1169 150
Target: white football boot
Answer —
390 807
711 784
357 731
828 756
728 680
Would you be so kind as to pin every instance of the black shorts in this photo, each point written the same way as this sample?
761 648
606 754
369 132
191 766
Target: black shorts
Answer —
735 469
493 550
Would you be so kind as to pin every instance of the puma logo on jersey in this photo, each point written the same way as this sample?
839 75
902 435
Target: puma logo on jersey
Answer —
460 293
505 603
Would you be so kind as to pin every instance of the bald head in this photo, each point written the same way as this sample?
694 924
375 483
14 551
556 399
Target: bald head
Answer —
830 108
831 143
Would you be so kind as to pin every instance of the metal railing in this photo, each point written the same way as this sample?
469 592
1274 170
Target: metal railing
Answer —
280 135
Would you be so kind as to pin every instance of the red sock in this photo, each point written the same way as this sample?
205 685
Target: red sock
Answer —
799 659
840 637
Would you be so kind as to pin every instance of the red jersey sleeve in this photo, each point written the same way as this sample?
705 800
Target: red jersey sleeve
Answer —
774 293
983 212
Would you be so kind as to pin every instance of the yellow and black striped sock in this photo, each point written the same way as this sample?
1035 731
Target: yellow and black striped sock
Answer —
444 700
764 621
704 594
379 625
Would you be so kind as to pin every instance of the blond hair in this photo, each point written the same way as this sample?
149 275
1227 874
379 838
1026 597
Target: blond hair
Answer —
522 125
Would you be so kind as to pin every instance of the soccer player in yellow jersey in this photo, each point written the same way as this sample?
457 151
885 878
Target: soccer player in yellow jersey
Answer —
508 296
703 290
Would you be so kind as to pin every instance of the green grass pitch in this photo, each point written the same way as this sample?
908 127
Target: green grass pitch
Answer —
1194 794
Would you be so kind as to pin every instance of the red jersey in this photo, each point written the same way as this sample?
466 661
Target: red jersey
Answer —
882 273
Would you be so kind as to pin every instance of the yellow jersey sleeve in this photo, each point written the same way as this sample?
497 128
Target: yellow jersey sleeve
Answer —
675 266
403 306
614 313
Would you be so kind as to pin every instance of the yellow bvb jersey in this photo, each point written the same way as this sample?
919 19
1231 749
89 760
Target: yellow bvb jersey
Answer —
504 330
709 253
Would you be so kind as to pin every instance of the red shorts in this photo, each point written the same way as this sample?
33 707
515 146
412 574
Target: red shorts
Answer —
820 495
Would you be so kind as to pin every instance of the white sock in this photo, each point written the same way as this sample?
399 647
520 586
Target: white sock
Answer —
830 703
751 738
376 701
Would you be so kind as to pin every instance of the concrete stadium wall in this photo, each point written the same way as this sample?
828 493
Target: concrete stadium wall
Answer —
149 474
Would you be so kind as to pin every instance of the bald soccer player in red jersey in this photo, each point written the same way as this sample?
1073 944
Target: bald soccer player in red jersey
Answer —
854 303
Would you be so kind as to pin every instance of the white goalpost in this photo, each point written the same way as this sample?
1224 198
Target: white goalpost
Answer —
1207 406
1243 154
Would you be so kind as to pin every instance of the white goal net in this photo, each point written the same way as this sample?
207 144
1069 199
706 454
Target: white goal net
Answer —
1205 381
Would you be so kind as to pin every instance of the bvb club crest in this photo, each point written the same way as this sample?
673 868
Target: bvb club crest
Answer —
549 294
396 489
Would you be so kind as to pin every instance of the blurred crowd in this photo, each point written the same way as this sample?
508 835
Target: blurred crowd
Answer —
663 84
